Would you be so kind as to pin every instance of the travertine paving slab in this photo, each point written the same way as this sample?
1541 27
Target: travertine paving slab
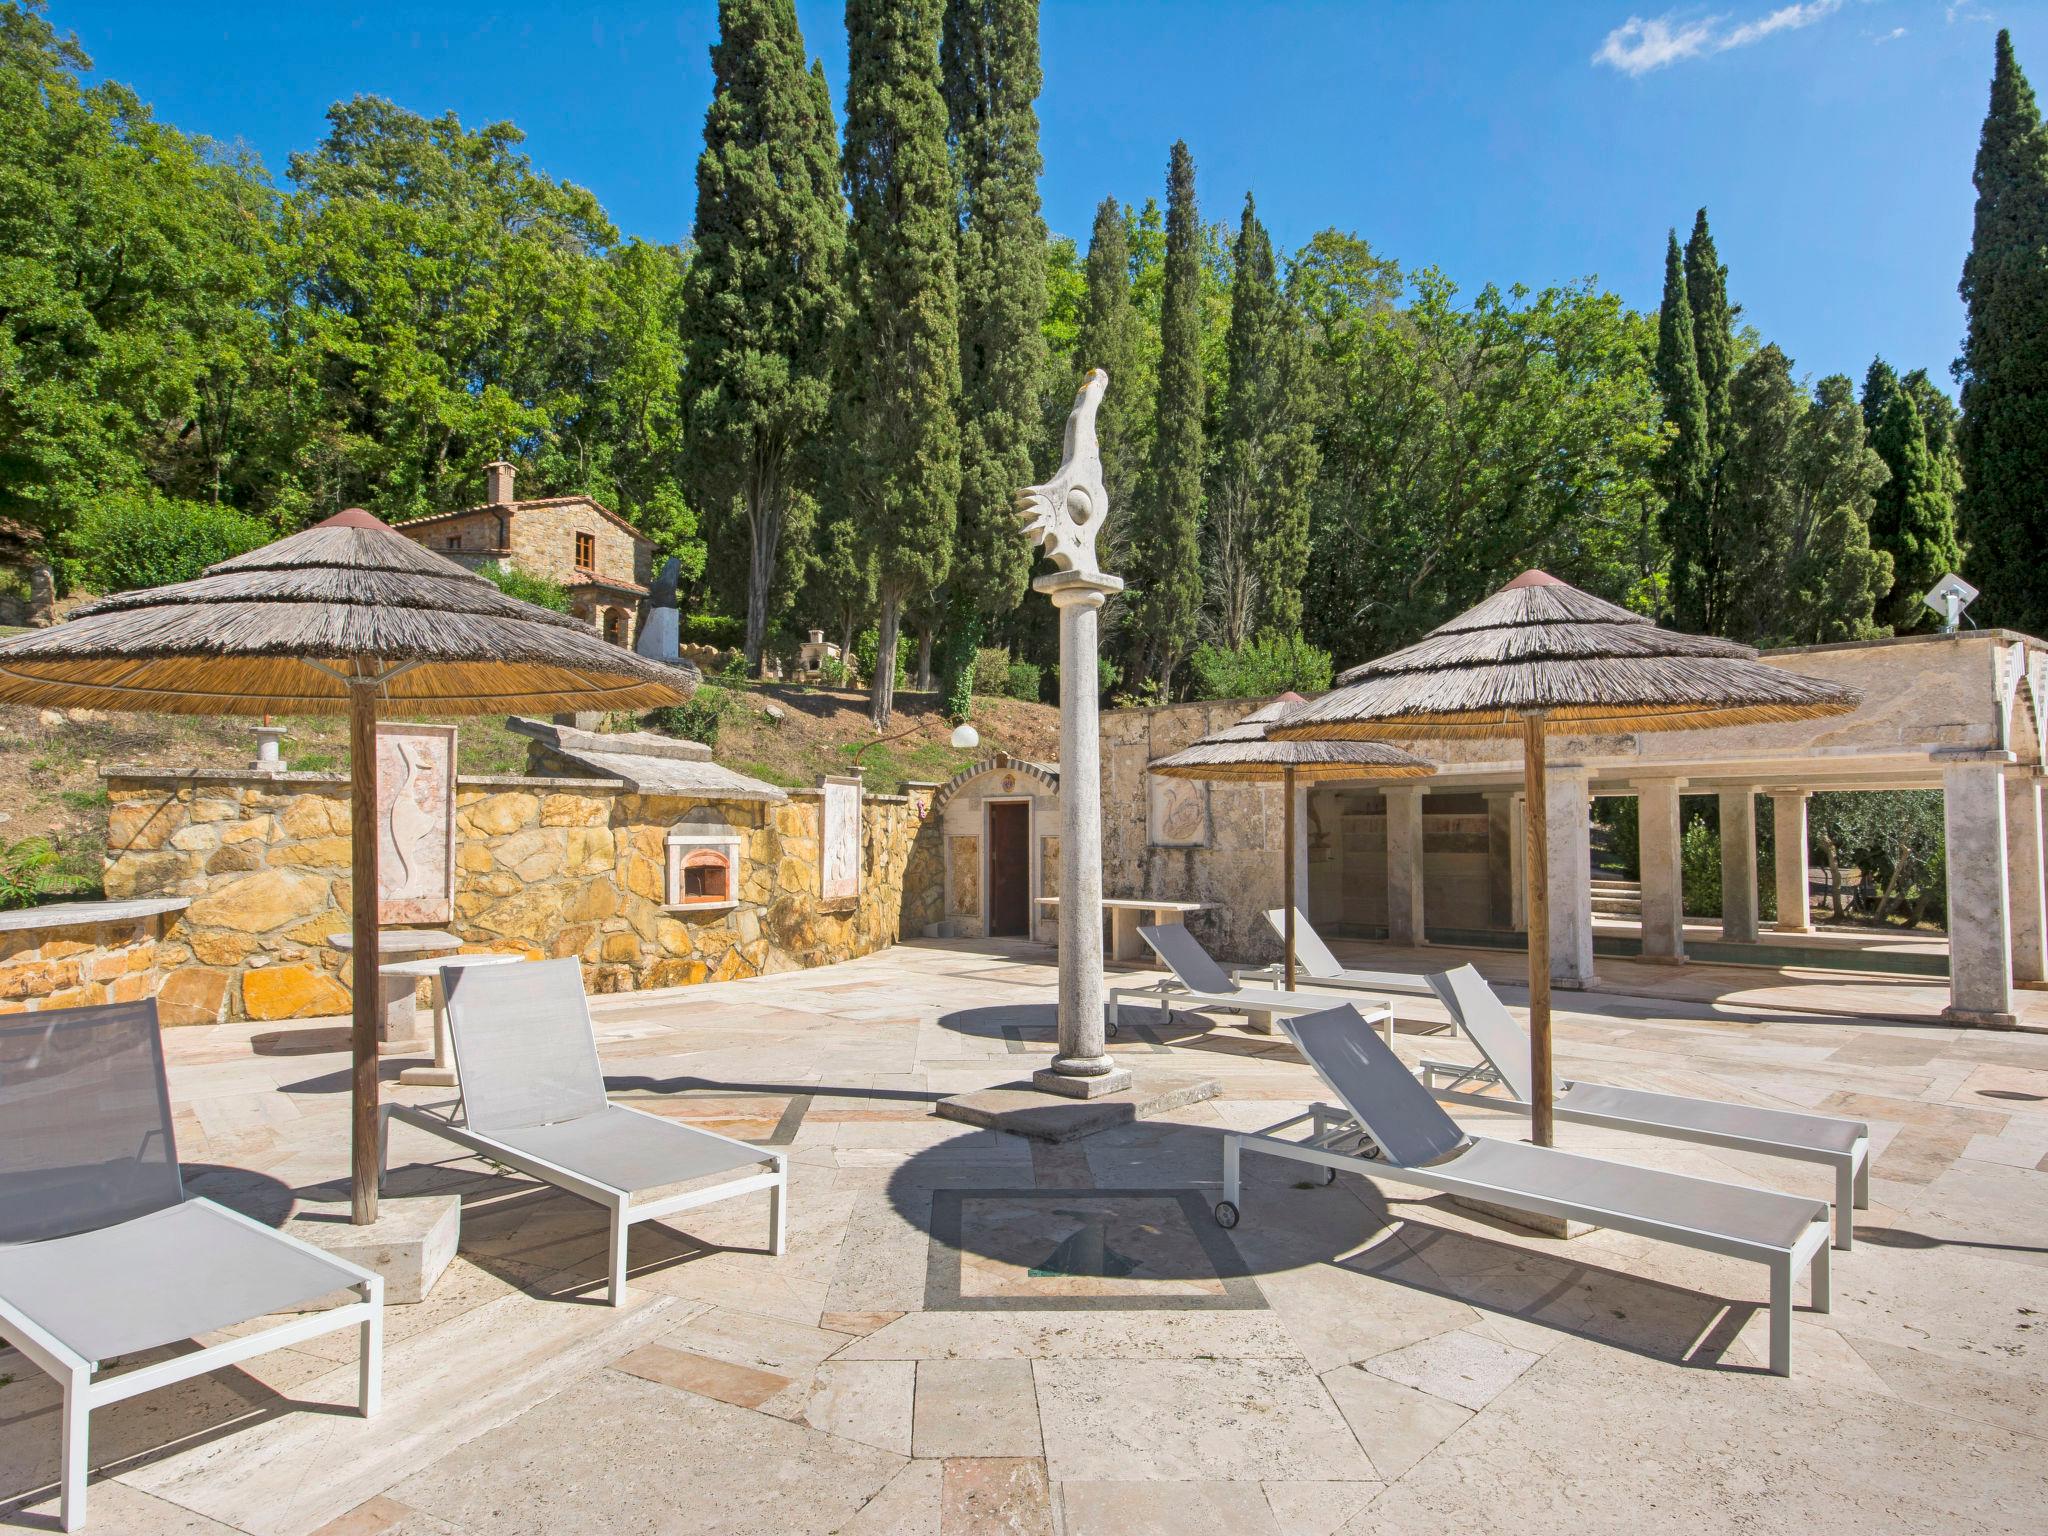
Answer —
909 1504
1396 1426
386 1517
1317 1509
985 1496
976 1408
865 1400
1167 1509
687 1372
1222 1420
1462 1367
1053 1335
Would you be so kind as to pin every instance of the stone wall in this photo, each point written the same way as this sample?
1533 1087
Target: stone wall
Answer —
84 952
548 867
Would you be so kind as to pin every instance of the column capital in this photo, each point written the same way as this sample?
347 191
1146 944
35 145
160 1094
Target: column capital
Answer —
1077 589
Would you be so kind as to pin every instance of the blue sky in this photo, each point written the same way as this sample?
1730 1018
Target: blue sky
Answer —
1830 140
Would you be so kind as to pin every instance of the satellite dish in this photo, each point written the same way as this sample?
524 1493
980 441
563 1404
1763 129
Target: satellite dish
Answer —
1951 595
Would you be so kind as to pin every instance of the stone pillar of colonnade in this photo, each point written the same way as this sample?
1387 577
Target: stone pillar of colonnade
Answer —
1502 865
1404 864
1789 851
1518 850
1738 865
1659 845
1571 875
1979 920
2023 856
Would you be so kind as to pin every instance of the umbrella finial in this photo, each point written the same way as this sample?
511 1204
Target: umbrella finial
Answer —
1533 578
353 517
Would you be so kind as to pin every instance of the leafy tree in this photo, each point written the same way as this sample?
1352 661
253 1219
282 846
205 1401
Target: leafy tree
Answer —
1109 339
1266 453
1914 521
1880 383
1686 468
130 256
1713 326
1757 498
763 299
1166 539
841 589
125 539
989 60
901 374
2004 367
442 286
1834 580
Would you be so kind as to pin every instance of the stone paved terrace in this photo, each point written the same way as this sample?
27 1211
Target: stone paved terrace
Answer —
1092 1354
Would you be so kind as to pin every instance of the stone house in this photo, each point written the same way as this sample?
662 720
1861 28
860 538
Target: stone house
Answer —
603 560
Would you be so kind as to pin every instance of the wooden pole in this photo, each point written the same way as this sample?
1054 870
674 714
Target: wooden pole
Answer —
1287 895
368 989
1537 905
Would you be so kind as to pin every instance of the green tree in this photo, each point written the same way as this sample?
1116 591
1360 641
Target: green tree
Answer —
1686 467
1265 454
1713 328
1880 383
2004 366
901 374
1757 498
1914 521
1834 580
841 588
763 297
1166 539
1109 339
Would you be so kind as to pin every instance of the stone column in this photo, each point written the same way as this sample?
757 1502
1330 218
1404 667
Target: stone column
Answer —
1571 875
1299 895
1738 866
1404 865
1082 1068
1659 839
1979 926
1518 850
1500 858
2023 872
1788 829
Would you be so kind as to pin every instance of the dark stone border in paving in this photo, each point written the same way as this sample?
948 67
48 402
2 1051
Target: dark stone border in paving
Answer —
942 1289
1043 1038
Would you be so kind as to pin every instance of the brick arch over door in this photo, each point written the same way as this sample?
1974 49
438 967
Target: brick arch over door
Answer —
1001 762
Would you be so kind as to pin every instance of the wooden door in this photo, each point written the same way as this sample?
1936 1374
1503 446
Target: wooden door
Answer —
1009 868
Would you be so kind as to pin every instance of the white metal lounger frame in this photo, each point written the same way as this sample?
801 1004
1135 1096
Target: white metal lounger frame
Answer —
1338 1143
1342 979
82 1393
1171 989
618 1203
1851 1168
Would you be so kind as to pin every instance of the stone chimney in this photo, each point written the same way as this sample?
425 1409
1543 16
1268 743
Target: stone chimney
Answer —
497 483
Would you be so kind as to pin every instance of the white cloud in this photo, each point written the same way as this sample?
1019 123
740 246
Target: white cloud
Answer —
1637 46
1889 37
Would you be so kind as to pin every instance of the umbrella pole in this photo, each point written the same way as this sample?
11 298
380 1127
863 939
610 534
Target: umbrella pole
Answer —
368 989
1537 822
1287 895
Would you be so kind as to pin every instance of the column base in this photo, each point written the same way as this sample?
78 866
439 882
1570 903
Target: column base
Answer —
1978 1018
1070 1086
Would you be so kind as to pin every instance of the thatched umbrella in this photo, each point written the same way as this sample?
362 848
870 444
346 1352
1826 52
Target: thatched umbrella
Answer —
346 617
1247 754
1540 656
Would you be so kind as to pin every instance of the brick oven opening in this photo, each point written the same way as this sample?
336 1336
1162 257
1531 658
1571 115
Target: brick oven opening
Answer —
706 878
703 864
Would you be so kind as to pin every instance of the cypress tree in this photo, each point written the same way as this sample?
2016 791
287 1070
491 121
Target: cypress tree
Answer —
1687 457
900 378
1109 340
989 60
1166 543
1266 455
1834 580
1756 500
762 295
1713 328
2003 446
1880 383
1914 521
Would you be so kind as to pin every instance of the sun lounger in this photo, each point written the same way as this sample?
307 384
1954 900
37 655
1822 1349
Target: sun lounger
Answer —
1843 1145
1199 983
533 1098
1315 966
103 1254
1390 1128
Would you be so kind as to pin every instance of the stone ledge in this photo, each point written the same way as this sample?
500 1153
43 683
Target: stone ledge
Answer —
79 914
1022 1110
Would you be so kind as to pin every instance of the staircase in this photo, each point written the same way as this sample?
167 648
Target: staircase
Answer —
1617 898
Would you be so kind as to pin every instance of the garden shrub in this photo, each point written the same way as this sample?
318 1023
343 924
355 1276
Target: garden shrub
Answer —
1271 664
720 629
867 645
1022 681
992 671
697 718
129 540
541 591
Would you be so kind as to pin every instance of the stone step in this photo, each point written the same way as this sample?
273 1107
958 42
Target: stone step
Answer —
1615 906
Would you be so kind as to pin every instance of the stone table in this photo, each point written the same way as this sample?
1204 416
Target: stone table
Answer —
442 1073
1124 912
399 1025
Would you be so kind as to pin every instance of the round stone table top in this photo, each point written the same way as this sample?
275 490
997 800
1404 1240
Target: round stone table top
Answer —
393 942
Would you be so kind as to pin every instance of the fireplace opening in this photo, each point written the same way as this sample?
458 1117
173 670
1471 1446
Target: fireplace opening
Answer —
704 878
703 864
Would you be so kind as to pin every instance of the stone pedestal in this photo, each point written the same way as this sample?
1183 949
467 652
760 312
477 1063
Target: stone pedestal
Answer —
1404 864
398 1017
1659 844
1738 866
1570 811
1083 1057
1788 833
1979 923
410 1243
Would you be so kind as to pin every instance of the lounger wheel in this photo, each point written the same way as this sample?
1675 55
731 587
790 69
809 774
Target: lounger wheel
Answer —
1226 1213
1112 1029
1329 1177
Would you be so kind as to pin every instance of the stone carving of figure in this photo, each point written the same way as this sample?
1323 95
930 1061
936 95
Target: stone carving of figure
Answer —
660 636
1063 515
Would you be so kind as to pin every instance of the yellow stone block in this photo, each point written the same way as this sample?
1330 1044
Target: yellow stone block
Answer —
574 810
474 857
260 902
318 853
621 947
313 816
495 815
590 851
256 829
591 902
143 824
292 992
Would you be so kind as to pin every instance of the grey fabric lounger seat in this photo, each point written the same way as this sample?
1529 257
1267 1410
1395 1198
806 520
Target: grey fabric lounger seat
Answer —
533 1098
103 1255
1390 1128
1503 1077
1199 983
1316 967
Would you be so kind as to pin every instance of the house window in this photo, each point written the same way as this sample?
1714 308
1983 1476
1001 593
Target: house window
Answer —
452 542
586 551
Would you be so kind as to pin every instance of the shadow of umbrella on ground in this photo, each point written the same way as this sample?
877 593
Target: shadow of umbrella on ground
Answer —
348 617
